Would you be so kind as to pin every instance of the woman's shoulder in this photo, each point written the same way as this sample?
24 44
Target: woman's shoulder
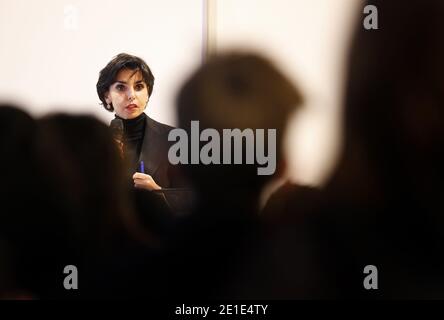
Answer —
158 126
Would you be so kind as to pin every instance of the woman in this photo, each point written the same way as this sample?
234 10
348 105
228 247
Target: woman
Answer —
124 87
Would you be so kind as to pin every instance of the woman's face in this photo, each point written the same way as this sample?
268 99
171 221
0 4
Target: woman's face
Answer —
128 94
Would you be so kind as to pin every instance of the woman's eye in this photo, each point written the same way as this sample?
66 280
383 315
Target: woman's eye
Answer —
139 86
120 87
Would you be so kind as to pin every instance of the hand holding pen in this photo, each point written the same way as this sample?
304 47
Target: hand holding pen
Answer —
144 181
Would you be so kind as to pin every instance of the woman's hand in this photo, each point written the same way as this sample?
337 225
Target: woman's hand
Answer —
145 181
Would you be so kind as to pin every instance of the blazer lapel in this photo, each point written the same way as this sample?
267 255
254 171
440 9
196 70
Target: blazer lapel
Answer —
152 147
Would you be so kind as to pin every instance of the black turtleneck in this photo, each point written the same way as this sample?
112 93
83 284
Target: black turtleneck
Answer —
134 130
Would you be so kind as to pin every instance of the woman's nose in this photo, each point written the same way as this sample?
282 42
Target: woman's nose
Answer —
130 94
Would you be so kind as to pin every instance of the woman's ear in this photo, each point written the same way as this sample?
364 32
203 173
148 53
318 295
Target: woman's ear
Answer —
106 96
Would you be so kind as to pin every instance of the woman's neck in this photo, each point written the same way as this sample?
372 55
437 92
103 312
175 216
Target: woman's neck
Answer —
133 127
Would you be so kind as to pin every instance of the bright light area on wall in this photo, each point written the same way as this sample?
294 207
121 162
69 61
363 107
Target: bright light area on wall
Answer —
308 40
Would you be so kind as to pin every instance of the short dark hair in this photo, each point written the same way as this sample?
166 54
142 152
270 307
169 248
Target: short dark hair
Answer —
108 74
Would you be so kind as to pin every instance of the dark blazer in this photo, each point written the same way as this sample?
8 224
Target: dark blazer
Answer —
154 153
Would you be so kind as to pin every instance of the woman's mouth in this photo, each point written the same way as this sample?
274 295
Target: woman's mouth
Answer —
131 107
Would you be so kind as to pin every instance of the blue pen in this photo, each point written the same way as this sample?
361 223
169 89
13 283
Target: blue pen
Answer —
142 167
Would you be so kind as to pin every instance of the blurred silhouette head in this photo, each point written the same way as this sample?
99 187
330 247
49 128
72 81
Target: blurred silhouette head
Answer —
17 130
236 91
17 221
81 168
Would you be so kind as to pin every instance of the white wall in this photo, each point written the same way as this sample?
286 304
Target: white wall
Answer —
52 50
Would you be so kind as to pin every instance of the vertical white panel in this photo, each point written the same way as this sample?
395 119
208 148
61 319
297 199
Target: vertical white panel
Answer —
209 25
